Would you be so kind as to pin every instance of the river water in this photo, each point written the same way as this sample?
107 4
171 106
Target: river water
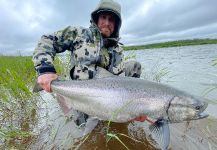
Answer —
188 68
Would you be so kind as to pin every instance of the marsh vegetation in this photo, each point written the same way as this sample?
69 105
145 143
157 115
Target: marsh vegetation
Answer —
18 104
172 44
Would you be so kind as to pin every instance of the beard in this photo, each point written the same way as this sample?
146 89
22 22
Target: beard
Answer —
105 31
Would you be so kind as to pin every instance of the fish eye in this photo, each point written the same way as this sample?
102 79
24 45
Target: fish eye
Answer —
197 107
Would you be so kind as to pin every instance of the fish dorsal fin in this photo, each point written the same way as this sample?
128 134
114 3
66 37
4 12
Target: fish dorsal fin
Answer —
102 73
160 133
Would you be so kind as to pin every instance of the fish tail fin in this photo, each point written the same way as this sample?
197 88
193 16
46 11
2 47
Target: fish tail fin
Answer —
160 133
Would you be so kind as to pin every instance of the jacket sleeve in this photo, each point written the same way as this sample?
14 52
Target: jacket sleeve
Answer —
51 44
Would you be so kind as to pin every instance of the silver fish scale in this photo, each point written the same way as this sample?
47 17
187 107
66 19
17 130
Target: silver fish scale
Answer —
124 98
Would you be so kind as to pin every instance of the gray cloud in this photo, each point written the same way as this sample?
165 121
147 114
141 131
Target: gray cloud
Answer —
171 19
23 22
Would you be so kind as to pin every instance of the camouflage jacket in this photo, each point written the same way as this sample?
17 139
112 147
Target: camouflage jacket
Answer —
88 50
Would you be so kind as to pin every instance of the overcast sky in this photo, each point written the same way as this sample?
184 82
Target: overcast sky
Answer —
23 22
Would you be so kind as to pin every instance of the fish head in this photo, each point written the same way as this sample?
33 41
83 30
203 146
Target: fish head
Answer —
186 108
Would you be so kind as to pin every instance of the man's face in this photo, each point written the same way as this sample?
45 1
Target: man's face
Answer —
106 24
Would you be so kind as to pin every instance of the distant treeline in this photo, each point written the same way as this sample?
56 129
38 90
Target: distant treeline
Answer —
172 44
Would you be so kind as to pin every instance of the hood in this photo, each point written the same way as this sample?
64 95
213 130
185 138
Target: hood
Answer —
108 6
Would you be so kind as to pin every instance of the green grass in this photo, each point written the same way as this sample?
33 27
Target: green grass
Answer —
18 104
172 44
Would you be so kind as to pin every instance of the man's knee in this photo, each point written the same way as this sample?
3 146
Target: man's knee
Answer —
132 69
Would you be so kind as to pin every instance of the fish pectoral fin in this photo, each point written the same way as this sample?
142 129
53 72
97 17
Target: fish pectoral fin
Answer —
90 125
161 133
102 73
64 104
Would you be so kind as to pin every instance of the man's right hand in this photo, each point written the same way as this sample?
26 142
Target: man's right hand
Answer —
44 80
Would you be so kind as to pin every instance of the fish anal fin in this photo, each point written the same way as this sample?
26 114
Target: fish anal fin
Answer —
160 133
90 125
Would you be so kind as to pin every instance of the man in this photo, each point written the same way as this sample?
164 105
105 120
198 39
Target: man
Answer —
96 46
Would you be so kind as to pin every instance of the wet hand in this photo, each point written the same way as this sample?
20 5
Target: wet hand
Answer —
44 80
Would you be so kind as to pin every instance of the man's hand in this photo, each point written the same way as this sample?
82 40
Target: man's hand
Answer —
44 80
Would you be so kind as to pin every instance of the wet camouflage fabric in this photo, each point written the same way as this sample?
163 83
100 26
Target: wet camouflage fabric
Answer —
132 69
87 49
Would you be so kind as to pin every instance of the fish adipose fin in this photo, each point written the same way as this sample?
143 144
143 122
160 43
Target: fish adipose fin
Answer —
160 133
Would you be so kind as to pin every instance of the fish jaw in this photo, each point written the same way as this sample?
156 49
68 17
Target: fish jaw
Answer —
200 116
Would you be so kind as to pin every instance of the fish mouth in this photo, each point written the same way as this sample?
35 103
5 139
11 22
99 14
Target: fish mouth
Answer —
200 116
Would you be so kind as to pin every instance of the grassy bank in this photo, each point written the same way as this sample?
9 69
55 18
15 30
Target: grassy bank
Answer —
172 44
18 104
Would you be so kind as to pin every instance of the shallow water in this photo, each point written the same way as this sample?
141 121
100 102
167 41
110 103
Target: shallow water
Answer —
190 70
